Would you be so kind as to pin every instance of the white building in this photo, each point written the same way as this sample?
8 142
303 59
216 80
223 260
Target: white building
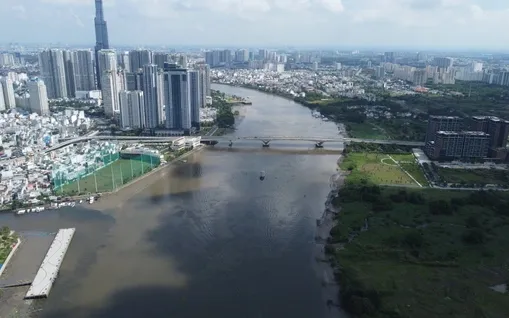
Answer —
110 93
8 92
38 97
2 100
132 109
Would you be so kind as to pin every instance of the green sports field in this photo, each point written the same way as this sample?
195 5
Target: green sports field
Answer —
108 178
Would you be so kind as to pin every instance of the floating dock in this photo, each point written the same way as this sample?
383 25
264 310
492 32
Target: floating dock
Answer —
48 271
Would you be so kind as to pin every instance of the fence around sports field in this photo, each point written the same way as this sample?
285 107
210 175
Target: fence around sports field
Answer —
107 175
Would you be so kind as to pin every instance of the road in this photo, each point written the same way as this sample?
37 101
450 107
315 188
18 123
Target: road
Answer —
319 140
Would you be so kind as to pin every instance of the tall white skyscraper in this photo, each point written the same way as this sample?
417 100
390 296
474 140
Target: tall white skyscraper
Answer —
132 110
52 67
8 92
152 94
109 81
109 91
195 97
177 99
83 70
38 97
2 100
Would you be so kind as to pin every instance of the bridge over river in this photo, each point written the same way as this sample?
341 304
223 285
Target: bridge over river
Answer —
265 140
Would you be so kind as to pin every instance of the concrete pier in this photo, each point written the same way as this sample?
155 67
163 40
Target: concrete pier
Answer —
48 271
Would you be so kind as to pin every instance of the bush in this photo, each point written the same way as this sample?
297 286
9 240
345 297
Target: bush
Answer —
474 237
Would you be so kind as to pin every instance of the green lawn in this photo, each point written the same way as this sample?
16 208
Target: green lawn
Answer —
419 261
474 176
6 242
108 178
381 169
365 131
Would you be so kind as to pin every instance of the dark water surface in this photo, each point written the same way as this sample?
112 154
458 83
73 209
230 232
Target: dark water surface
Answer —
208 238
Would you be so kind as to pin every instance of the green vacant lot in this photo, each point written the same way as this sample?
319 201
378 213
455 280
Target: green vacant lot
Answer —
6 242
383 168
365 131
424 253
474 176
108 178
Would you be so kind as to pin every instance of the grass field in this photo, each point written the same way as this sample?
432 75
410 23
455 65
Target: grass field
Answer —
365 131
6 243
419 258
474 176
383 168
108 178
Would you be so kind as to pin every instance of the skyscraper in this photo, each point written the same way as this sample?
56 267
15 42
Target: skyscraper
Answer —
109 89
83 70
160 59
205 82
138 59
101 36
195 97
152 96
52 67
123 61
2 100
8 91
177 99
70 81
132 110
38 97
107 61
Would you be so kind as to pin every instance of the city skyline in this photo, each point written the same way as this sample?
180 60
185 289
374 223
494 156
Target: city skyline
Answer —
436 24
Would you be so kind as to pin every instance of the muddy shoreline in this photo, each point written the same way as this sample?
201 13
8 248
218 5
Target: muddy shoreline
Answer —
324 225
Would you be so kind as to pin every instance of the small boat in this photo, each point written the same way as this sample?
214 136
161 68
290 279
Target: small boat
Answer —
262 175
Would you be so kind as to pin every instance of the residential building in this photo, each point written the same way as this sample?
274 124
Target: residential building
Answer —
123 61
53 73
497 128
195 97
2 102
110 96
177 100
132 109
70 80
182 61
161 58
38 97
83 67
443 62
152 91
442 123
460 145
138 59
8 92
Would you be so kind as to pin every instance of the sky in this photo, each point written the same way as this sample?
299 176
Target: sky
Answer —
472 24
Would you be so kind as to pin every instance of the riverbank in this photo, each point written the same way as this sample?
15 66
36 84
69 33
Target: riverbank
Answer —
323 229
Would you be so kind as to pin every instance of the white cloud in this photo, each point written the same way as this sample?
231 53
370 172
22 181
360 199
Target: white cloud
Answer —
241 22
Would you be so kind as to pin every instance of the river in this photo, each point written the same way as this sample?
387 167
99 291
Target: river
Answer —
205 238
